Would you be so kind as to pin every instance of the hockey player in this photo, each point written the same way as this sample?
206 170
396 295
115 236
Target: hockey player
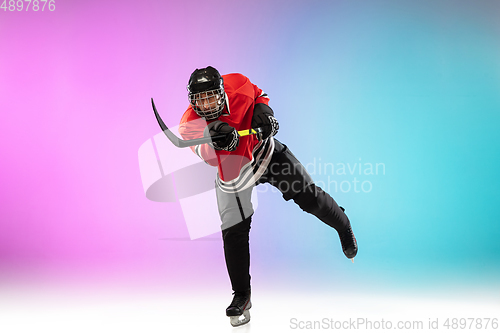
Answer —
227 104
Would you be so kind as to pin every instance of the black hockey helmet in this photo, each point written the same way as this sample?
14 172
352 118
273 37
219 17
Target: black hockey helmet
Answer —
206 93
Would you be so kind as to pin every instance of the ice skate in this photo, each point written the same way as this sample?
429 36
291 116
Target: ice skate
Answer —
349 244
237 311
348 241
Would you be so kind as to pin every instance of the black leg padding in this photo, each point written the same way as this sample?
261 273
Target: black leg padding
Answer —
237 254
317 202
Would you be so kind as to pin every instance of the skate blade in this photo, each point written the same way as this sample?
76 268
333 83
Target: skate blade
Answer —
236 321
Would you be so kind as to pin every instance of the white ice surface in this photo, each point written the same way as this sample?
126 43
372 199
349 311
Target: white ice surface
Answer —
100 311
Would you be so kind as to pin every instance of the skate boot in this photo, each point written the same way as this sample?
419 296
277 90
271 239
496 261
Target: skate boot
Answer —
349 244
239 308
348 241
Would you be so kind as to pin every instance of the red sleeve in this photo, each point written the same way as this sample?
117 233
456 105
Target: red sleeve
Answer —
260 96
192 128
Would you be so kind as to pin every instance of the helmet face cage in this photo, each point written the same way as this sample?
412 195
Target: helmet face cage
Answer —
208 104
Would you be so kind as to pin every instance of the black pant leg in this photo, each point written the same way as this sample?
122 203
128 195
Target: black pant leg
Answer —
237 254
315 201
286 173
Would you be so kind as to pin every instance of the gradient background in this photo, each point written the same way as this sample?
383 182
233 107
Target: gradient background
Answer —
414 85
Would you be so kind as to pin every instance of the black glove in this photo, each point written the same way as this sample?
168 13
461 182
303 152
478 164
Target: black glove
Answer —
218 127
263 116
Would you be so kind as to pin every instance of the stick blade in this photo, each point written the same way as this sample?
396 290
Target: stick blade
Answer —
171 136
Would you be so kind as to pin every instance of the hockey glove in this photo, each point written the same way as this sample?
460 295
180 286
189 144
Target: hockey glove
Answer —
263 116
218 127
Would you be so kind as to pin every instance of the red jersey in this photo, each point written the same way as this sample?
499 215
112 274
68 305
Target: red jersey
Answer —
240 168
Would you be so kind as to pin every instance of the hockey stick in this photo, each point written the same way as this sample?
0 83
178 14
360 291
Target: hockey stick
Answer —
178 142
